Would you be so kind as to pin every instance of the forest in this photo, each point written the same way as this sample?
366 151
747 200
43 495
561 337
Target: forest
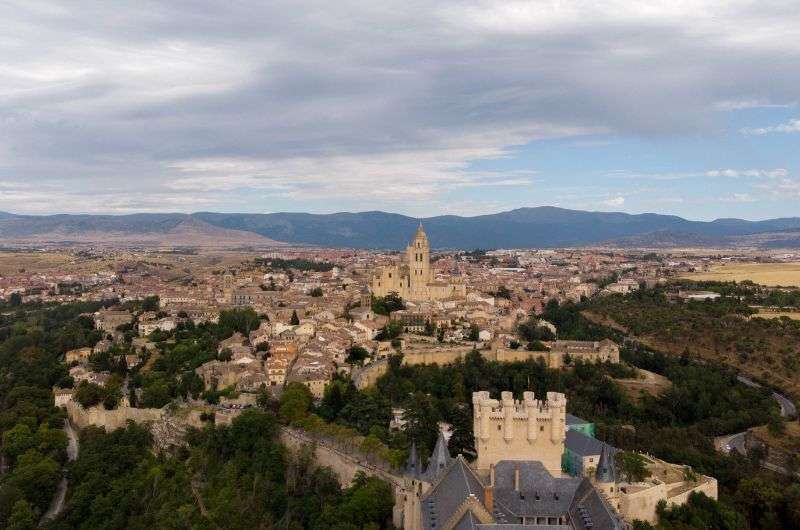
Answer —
237 476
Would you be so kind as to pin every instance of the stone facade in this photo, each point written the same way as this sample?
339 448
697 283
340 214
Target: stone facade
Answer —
414 280
529 429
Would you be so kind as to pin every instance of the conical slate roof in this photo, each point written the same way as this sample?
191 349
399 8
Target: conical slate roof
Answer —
606 471
413 464
438 460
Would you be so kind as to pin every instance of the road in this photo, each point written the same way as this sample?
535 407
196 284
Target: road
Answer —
731 442
788 408
61 492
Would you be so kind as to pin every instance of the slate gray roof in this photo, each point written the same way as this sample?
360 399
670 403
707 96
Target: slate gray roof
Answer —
540 495
574 420
606 467
457 482
413 464
589 511
583 445
558 496
439 459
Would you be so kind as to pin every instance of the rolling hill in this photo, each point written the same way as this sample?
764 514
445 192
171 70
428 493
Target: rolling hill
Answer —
520 228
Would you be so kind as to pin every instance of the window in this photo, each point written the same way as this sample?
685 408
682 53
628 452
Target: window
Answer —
499 427
541 428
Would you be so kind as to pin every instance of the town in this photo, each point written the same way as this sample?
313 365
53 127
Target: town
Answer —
186 339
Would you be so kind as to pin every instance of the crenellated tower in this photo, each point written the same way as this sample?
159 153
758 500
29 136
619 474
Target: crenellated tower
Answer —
530 429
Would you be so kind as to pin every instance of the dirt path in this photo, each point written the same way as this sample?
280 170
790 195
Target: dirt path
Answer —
57 504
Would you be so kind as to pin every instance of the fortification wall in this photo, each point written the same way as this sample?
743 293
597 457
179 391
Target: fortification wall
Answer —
449 355
346 467
110 419
435 356
369 375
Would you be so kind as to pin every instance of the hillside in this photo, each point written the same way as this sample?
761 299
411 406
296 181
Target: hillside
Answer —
154 230
723 331
521 228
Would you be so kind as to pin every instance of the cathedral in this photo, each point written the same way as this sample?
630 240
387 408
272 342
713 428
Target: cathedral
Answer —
414 280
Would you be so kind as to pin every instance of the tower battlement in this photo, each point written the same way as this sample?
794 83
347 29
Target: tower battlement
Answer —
526 429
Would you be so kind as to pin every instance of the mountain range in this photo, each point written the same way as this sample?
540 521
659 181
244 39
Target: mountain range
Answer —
524 227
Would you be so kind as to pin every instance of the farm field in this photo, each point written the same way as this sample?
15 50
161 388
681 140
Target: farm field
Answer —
769 274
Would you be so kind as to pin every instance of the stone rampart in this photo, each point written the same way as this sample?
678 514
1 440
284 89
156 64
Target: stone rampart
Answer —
369 374
110 419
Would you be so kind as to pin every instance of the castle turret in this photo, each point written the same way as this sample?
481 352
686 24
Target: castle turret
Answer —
438 460
606 474
529 429
413 464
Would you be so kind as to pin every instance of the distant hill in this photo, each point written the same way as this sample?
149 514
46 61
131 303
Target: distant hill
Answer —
521 228
152 230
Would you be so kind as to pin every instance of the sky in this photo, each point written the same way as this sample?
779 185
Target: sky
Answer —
424 108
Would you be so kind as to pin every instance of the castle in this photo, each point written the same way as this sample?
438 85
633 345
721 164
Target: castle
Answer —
517 478
414 280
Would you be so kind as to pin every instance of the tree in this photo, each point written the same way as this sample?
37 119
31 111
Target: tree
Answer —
295 402
503 292
150 303
316 292
23 516
294 320
632 466
15 300
89 394
356 355
474 333
387 304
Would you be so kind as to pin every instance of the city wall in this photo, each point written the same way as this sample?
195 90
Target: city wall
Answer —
369 374
110 419
450 355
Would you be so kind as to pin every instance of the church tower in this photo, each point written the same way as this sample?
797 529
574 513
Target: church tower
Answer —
419 262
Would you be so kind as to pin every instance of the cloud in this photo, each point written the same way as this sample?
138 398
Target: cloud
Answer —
386 104
614 201
744 104
791 126
738 197
753 173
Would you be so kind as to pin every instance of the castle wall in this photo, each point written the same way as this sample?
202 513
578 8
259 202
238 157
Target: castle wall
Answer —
530 429
642 504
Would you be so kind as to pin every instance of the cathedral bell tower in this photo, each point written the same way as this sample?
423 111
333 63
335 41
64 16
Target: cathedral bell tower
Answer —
419 262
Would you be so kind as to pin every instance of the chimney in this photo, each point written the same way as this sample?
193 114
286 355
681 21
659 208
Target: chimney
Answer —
516 478
488 491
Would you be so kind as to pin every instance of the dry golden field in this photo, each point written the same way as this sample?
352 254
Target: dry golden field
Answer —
794 315
770 274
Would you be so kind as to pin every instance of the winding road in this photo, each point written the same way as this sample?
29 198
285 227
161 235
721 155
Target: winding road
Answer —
788 409
57 504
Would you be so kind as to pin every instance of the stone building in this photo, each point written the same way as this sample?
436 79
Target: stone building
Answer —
414 280
515 430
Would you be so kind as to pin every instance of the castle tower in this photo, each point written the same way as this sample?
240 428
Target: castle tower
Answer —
530 429
418 255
